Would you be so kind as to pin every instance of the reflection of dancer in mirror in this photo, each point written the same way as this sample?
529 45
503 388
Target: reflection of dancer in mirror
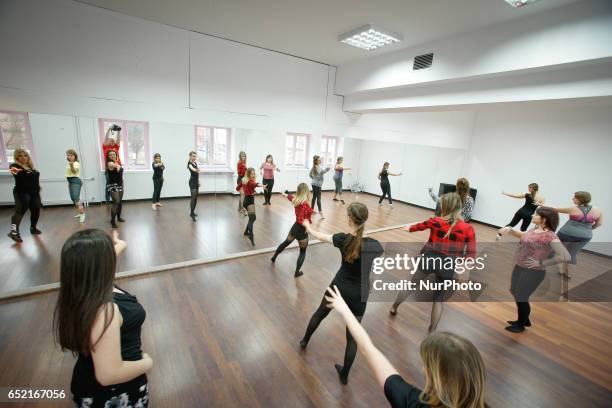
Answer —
449 238
73 176
247 188
114 144
26 193
532 258
114 186
385 186
352 279
338 174
578 230
316 174
194 183
101 323
533 200
158 180
303 212
463 189
241 169
454 369
268 168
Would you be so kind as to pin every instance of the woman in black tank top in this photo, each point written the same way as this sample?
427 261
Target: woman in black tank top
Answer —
104 331
532 201
385 186
194 183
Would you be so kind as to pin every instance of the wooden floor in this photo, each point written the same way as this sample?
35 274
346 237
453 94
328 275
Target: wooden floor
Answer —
168 235
226 335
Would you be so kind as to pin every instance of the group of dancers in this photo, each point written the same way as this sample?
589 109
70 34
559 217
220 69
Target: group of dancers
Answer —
101 323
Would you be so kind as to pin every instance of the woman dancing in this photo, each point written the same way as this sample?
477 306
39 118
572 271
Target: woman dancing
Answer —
303 212
316 174
268 167
101 323
158 180
463 189
194 183
449 238
241 169
532 258
578 230
385 186
352 279
338 174
73 176
114 186
247 188
533 199
454 369
26 193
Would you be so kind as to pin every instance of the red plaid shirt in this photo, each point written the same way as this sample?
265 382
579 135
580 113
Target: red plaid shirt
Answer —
460 242
241 168
248 187
302 211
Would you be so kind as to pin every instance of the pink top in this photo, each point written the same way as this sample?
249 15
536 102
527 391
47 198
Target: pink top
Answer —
268 170
589 218
534 245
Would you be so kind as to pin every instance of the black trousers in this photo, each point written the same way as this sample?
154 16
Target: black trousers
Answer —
386 191
521 215
524 282
157 186
268 191
316 197
23 203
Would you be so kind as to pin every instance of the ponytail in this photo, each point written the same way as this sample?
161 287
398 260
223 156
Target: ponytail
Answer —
358 213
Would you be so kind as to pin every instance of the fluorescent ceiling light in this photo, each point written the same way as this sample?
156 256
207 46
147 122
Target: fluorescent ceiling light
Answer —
370 37
520 3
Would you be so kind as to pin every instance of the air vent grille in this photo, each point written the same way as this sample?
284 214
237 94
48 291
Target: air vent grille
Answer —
422 61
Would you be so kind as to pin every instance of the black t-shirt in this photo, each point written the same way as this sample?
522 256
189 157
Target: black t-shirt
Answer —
114 176
400 394
158 172
27 180
352 272
384 176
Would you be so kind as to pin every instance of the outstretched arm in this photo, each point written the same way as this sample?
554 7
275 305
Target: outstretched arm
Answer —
511 231
513 195
321 236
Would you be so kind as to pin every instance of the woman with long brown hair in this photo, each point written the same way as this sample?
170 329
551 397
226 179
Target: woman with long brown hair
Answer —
268 168
247 189
241 169
114 186
317 176
385 185
26 193
352 279
533 199
454 369
100 323
538 248
73 176
462 187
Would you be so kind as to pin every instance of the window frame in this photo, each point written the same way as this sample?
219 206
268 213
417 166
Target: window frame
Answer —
336 149
292 164
212 146
5 166
124 143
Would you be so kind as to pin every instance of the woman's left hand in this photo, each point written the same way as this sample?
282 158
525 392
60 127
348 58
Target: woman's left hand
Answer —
532 263
336 301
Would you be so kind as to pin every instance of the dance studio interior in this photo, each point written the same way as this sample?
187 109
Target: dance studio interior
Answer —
324 203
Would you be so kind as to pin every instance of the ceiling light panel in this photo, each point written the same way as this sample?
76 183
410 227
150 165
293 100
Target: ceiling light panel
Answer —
520 3
370 37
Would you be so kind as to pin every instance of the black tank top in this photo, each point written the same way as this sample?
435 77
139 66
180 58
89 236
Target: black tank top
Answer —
530 205
26 181
84 381
384 176
194 176
114 176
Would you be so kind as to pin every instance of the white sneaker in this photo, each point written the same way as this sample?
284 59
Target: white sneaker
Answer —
159 204
498 237
391 205
154 207
82 217
77 216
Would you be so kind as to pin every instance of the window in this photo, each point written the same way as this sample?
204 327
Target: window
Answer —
14 134
329 150
134 143
296 149
212 144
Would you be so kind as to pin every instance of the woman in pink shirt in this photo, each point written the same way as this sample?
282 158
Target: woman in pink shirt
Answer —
268 167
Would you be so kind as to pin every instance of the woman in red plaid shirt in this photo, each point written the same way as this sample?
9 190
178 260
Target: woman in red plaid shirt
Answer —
450 237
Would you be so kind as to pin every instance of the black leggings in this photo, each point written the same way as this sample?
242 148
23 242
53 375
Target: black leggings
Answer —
194 200
386 191
303 245
351 345
524 282
23 203
521 215
157 186
117 197
316 197
268 191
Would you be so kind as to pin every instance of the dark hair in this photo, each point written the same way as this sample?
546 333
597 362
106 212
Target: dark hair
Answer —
270 156
313 170
550 217
584 197
248 173
383 167
358 212
535 188
87 273
156 155
108 159
192 152
463 189
74 153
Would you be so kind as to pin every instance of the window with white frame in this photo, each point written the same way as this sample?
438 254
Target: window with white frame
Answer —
329 150
14 134
212 144
296 149
133 144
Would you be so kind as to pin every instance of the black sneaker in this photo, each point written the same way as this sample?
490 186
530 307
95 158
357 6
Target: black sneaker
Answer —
297 274
35 231
516 323
114 224
516 328
343 378
120 219
15 236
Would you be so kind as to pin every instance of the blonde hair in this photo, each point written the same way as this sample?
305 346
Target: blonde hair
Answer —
454 372
451 205
19 152
302 195
247 175
73 153
358 213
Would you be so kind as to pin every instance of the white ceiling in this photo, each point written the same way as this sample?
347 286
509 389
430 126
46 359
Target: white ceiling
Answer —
309 28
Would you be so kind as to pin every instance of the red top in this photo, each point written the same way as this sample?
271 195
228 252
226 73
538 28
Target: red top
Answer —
248 187
115 148
242 168
461 239
302 211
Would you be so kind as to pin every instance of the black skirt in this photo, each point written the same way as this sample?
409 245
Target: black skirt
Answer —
298 232
248 200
